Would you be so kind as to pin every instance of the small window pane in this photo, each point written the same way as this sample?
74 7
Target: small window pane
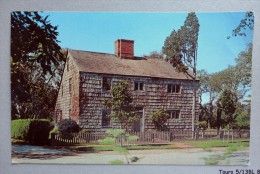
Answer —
173 88
136 86
106 83
178 88
141 86
174 114
106 117
169 89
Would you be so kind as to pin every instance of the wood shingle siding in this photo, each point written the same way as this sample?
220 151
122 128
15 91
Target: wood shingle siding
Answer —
88 78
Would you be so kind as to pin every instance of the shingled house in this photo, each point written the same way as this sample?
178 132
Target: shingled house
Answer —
88 78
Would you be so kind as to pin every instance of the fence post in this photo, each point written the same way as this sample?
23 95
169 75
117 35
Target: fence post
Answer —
232 135
52 139
221 134
197 134
170 136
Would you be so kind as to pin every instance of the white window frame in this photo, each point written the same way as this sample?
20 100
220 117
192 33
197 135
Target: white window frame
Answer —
173 88
103 87
107 111
138 86
176 113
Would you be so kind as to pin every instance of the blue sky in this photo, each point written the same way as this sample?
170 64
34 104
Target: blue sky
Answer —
98 31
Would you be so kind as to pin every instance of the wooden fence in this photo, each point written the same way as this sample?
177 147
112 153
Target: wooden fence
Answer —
150 136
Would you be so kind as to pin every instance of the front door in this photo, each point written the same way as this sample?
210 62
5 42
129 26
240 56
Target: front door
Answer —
139 125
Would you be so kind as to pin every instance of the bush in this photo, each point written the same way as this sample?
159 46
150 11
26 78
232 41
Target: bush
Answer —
53 131
203 125
66 127
35 131
159 118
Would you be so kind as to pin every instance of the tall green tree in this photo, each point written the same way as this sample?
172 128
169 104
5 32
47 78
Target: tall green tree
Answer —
181 48
36 63
121 106
228 105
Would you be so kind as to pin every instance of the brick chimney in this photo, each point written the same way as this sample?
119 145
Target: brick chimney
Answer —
124 48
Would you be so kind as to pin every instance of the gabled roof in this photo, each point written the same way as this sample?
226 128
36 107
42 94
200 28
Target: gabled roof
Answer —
104 63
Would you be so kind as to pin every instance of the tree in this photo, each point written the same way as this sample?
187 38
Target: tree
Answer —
246 23
121 105
228 105
181 48
154 55
36 64
159 118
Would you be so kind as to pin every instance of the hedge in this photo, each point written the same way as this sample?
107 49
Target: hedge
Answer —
66 127
35 131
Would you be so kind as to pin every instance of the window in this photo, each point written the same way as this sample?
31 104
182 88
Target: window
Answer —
175 114
173 88
106 121
106 83
139 86
70 85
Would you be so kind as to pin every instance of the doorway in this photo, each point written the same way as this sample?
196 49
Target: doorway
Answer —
139 125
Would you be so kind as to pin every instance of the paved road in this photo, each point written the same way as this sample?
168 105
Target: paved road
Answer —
189 156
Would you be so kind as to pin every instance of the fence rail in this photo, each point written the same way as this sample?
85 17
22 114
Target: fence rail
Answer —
150 136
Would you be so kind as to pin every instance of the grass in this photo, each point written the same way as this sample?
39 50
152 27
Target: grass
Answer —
231 147
97 148
116 162
19 142
208 144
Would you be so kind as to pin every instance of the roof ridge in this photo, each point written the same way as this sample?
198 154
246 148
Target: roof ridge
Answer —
91 51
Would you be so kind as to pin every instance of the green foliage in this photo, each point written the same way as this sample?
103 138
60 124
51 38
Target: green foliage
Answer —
84 131
34 131
117 162
159 118
53 131
107 140
206 144
20 129
242 120
117 134
181 46
228 105
203 125
120 104
66 127
246 23
129 137
36 65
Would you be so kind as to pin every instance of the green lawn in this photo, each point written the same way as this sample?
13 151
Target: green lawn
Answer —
206 144
96 148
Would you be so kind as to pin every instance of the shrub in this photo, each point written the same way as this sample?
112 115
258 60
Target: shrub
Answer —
84 131
159 118
53 131
66 127
35 131
20 129
203 125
